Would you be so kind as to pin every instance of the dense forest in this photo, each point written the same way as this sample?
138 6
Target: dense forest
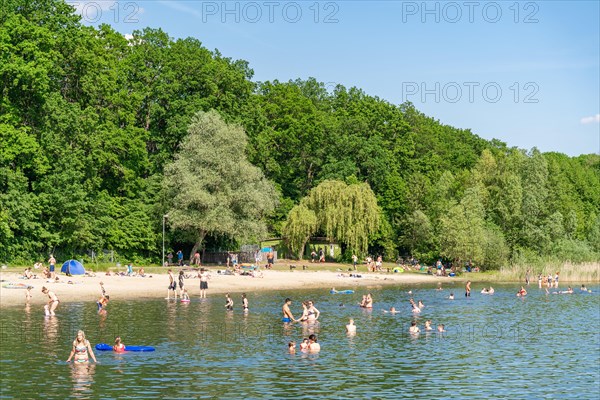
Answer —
90 121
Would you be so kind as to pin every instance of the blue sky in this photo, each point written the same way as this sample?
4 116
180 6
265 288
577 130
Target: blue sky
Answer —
524 72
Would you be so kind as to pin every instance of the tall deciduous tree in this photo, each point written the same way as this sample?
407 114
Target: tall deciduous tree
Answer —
348 213
211 188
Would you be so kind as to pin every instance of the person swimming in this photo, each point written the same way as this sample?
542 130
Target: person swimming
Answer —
304 344
428 325
119 347
351 328
451 297
292 347
414 329
313 345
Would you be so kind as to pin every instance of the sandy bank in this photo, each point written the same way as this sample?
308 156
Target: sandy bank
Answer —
123 287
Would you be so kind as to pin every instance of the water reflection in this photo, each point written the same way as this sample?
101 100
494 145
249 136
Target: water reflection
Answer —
82 375
205 344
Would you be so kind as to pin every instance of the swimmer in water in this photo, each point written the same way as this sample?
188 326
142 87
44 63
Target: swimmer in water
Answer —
103 300
451 297
292 347
228 302
522 292
119 347
414 329
351 328
287 313
313 345
82 349
304 344
441 328
428 325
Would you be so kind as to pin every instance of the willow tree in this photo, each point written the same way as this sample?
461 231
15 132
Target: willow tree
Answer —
347 213
211 188
299 226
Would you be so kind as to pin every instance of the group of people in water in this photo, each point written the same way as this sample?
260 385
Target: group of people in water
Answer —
310 313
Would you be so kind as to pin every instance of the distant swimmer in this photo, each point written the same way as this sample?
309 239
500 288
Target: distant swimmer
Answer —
313 345
414 329
428 325
304 344
468 289
287 313
522 292
103 300
228 302
244 302
119 347
441 328
451 297
351 328
415 308
391 311
292 347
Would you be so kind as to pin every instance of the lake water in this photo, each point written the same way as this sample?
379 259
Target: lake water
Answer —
498 346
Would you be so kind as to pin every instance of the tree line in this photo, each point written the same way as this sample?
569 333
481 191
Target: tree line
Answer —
99 135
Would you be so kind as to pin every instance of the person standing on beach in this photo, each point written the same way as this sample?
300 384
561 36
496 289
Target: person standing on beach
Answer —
52 262
287 313
196 260
468 289
172 287
204 276
180 258
527 277
354 261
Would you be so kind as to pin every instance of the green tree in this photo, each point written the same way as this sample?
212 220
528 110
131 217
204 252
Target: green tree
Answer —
211 188
300 225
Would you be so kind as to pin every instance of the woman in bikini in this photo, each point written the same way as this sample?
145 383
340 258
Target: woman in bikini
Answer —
312 313
82 349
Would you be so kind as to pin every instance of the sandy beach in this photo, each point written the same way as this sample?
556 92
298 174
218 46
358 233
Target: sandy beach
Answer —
84 288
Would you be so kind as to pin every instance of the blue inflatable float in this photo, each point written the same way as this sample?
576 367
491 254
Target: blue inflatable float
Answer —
108 347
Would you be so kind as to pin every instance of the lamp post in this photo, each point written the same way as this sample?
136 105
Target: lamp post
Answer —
163 252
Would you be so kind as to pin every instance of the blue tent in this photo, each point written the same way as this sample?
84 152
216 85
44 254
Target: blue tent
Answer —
72 267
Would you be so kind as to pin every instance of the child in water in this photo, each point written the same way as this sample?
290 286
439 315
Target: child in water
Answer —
119 347
103 300
292 347
304 344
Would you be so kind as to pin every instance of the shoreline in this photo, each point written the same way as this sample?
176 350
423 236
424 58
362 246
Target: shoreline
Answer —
154 285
